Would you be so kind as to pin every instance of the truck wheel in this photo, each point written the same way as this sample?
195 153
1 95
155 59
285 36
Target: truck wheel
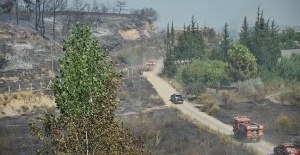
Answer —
235 135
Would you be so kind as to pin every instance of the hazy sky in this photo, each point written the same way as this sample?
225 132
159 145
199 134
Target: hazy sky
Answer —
216 12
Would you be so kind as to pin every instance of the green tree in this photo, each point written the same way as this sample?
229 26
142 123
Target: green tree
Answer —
245 34
168 38
216 54
85 94
289 67
172 36
195 89
169 65
288 38
211 38
242 63
264 42
190 44
216 73
274 50
211 73
225 44
7 6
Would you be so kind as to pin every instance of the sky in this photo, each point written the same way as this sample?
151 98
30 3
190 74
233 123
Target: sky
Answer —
215 13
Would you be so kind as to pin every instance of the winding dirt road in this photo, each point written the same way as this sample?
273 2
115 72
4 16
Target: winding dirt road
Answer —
164 90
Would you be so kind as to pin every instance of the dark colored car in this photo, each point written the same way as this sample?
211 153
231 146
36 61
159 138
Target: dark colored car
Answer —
177 98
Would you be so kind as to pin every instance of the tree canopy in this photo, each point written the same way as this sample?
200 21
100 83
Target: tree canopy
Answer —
242 63
190 43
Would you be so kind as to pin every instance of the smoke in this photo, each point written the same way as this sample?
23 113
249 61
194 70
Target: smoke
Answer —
159 66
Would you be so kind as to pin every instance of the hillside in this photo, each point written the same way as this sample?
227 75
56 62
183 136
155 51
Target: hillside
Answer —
29 55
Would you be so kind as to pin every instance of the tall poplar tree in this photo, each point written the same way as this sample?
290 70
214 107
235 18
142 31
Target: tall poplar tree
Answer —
172 35
167 42
85 94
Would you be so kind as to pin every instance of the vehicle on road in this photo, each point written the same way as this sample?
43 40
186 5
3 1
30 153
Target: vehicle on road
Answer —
177 98
286 149
150 64
247 130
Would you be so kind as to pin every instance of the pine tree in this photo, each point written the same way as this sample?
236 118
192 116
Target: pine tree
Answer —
225 44
274 52
245 34
169 65
190 44
265 42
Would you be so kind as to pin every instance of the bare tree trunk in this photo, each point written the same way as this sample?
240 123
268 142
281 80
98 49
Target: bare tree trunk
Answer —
43 22
17 11
36 15
54 15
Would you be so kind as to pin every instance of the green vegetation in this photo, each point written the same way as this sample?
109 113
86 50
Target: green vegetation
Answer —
289 39
210 73
252 65
242 63
189 44
195 89
288 68
226 44
252 89
226 97
85 93
284 122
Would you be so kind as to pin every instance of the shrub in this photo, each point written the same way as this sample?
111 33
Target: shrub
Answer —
214 110
15 96
24 108
207 105
225 139
202 98
195 89
226 97
284 122
251 89
283 97
124 96
295 96
292 97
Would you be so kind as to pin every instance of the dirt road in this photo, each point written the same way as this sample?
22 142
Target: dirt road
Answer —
164 89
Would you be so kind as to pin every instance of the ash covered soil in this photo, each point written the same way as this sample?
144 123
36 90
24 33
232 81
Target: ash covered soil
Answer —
162 129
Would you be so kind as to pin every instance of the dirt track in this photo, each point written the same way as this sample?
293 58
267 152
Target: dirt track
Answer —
165 90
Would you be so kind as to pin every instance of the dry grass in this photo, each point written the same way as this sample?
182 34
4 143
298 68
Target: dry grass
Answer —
23 102
169 132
